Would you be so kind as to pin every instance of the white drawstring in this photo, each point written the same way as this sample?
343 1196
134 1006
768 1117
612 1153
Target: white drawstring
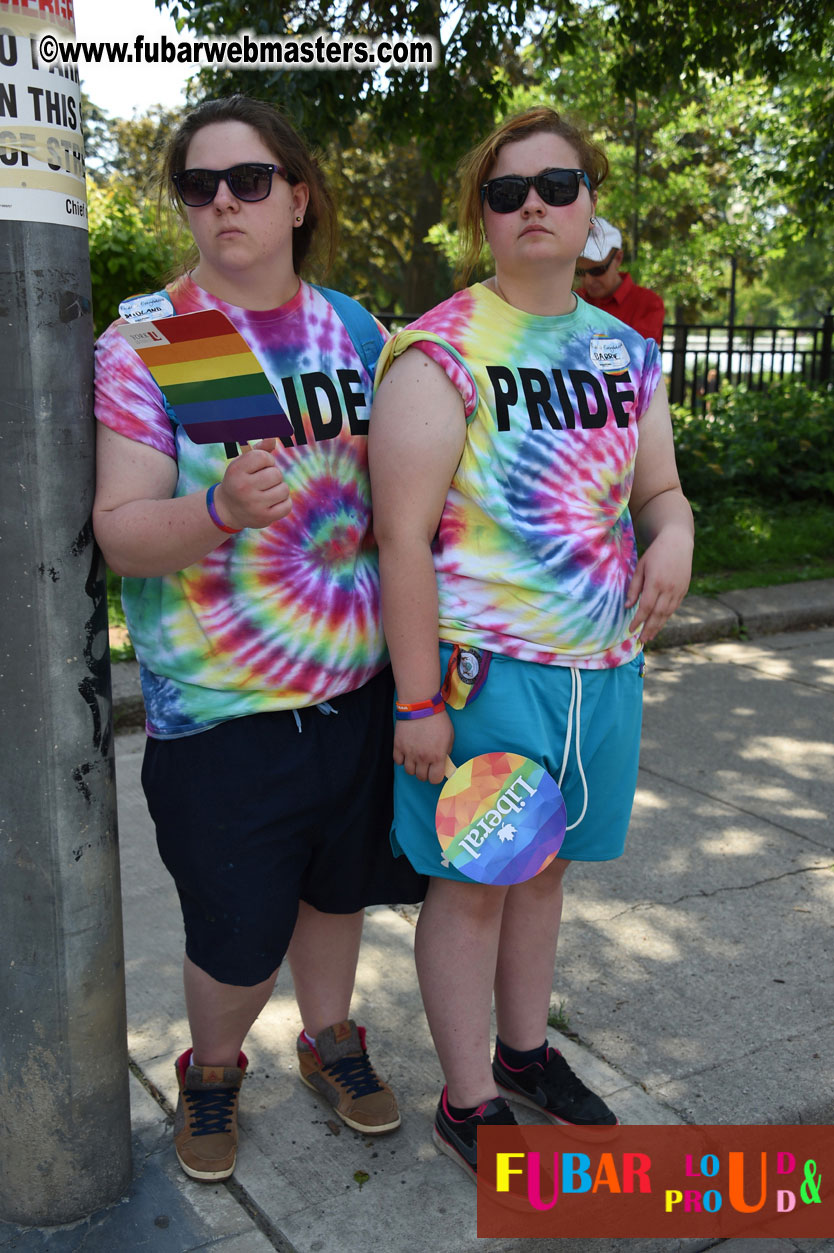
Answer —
575 700
324 708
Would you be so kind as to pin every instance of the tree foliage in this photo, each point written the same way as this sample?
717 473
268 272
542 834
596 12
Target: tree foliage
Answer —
129 254
685 183
132 247
443 108
718 121
128 151
381 239
772 445
787 43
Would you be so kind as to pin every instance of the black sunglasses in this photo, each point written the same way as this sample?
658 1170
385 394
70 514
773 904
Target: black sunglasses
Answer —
556 187
249 181
596 270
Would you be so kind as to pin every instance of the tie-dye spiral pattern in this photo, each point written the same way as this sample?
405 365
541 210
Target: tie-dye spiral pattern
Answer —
535 548
273 619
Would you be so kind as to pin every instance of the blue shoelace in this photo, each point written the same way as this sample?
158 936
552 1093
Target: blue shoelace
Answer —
356 1073
211 1111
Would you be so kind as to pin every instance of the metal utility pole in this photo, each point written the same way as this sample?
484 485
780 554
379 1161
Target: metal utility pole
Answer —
64 1109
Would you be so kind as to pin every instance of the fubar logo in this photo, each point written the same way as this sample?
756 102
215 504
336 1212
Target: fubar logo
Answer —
714 1182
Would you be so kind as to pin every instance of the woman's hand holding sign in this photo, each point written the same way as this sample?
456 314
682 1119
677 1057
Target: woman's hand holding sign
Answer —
253 492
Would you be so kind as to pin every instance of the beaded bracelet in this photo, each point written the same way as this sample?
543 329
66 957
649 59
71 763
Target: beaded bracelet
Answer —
420 708
215 516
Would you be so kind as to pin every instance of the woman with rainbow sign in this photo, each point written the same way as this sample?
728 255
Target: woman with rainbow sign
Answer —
521 447
251 590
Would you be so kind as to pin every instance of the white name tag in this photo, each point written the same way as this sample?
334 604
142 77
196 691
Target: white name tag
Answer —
608 354
147 308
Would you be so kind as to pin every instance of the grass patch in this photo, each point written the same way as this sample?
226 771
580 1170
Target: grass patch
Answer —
741 543
559 1018
121 648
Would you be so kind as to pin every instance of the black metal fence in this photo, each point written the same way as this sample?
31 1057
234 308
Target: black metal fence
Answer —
697 360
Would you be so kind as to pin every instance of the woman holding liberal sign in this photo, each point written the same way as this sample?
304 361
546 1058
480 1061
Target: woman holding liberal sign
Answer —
237 508
520 448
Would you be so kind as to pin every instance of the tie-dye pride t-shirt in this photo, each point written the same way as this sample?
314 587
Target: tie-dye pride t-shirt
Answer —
535 547
278 618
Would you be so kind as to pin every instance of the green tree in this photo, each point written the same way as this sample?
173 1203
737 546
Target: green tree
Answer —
717 121
128 253
95 127
127 151
787 43
132 247
682 165
796 284
139 143
379 233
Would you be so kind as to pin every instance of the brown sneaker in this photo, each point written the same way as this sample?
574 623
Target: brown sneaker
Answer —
205 1125
339 1070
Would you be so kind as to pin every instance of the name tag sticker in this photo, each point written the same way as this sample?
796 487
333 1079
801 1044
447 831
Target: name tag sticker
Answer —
147 308
608 354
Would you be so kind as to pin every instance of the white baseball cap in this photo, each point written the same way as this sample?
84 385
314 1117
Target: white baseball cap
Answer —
602 237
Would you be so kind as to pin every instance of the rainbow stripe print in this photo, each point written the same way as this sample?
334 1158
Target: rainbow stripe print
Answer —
211 379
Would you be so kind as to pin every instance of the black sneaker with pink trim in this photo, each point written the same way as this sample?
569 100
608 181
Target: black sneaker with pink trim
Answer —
554 1090
458 1138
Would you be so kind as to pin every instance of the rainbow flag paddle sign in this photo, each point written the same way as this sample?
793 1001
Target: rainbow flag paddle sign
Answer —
213 382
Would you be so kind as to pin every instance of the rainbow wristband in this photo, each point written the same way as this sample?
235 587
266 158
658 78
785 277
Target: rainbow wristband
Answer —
215 516
420 709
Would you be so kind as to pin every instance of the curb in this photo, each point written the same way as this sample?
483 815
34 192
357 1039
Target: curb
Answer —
752 611
699 620
128 706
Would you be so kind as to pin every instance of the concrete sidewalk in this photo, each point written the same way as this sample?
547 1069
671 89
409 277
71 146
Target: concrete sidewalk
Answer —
696 974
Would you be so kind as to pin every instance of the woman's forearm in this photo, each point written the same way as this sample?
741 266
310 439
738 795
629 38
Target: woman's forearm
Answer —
150 538
669 510
409 615
145 531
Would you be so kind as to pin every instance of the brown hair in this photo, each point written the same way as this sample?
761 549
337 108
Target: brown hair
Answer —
476 167
314 241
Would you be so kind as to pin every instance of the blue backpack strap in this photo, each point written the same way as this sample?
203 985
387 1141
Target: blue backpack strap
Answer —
360 325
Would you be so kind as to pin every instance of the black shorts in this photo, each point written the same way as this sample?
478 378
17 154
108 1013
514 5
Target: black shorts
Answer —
266 810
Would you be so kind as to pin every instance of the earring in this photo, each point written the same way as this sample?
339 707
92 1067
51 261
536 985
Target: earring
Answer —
299 219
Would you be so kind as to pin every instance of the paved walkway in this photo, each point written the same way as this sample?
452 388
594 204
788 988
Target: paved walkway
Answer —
695 974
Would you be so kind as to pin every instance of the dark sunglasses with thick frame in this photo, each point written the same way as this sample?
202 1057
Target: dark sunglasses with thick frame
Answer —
556 187
596 271
250 181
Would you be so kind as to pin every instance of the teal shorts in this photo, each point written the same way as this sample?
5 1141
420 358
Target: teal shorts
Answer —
532 709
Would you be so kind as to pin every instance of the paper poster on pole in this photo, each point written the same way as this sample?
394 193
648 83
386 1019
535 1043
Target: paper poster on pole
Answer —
41 143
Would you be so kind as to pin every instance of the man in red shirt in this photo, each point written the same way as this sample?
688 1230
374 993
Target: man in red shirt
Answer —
605 287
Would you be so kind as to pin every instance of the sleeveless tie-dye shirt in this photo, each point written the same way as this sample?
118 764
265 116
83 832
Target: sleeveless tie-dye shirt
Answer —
279 618
535 547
